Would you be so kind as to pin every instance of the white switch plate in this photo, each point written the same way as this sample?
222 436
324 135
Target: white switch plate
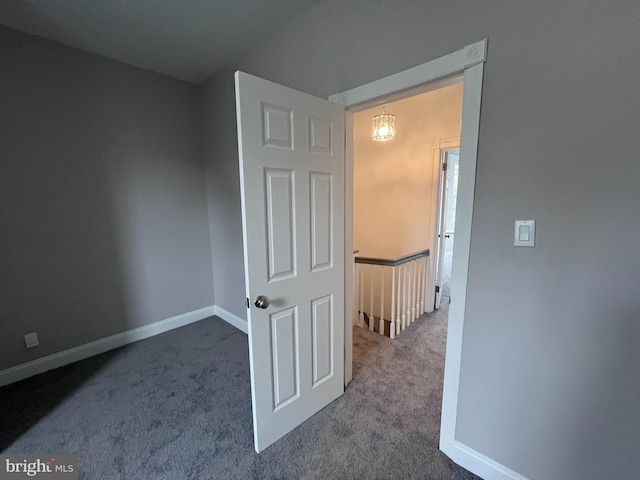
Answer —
525 233
31 340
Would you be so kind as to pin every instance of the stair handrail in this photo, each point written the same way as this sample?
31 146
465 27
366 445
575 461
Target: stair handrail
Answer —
387 262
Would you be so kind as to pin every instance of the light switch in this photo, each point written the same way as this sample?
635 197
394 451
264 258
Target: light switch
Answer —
525 233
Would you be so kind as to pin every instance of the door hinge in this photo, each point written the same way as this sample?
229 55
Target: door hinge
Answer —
437 288
444 166
248 303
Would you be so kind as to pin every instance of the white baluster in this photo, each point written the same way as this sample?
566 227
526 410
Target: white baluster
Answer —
399 308
410 309
381 331
428 296
414 304
408 295
361 302
418 285
371 275
404 297
423 269
412 294
357 299
392 325
416 298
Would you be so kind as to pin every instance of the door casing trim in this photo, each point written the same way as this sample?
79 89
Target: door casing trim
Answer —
437 149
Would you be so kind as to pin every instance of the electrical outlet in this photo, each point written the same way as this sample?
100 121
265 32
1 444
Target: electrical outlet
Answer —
31 340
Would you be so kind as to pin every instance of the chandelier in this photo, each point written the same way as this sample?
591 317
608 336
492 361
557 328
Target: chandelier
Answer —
384 127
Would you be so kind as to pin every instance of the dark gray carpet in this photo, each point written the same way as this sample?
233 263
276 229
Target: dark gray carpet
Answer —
178 406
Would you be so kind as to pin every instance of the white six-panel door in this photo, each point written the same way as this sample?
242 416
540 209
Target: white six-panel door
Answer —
291 149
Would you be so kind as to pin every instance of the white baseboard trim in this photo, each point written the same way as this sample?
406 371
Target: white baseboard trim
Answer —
232 319
482 465
40 365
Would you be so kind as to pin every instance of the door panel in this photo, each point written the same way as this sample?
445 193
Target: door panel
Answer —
322 339
292 188
321 221
280 223
286 357
276 126
320 135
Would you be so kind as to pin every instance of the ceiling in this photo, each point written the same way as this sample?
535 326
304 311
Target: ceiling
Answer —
185 39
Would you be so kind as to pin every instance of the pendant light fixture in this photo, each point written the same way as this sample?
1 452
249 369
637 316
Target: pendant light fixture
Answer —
384 127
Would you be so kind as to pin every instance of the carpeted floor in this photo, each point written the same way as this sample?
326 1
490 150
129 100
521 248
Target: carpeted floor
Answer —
178 406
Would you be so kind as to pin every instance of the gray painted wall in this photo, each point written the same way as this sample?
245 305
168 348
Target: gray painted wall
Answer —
103 212
550 364
223 192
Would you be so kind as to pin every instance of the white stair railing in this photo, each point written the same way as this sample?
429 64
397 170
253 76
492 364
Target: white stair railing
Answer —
407 276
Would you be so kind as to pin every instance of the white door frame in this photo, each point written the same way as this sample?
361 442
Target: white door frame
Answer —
468 63
437 149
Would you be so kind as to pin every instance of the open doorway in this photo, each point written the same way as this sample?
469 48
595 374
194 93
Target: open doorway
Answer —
467 63
396 207
399 187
